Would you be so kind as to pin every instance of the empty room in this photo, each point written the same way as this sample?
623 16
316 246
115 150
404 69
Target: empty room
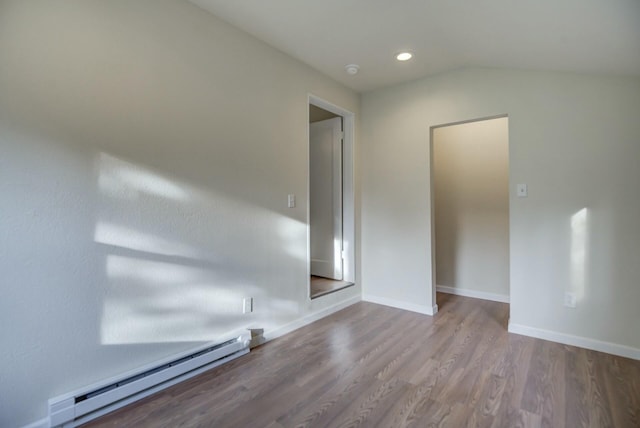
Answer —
289 213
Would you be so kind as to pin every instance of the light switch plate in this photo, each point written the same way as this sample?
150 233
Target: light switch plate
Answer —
291 200
570 300
521 190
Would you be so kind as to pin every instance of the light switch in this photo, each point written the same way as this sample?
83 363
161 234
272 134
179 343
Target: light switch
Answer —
521 190
291 201
570 300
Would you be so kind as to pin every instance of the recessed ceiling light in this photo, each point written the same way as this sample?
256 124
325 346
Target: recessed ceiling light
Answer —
404 56
352 68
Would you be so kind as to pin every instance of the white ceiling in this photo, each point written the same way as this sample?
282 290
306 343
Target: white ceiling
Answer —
590 36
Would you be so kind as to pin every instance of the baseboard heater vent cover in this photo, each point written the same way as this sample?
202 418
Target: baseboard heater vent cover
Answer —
82 406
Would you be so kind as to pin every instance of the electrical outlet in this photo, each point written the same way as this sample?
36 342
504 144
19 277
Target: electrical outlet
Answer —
570 299
247 305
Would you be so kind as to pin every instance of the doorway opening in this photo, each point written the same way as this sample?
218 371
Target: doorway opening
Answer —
331 218
470 208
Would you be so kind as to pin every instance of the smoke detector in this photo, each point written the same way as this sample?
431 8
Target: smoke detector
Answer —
352 68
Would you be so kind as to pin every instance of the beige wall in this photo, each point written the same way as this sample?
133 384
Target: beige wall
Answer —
471 205
316 114
147 152
572 138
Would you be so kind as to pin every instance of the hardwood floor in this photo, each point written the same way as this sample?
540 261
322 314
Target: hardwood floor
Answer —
321 286
371 365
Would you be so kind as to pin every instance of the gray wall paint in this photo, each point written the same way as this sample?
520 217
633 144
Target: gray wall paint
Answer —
574 139
147 153
471 205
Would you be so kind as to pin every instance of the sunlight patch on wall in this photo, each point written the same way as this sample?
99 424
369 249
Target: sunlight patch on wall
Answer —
122 179
579 252
125 237
290 231
337 258
151 302
123 268
175 269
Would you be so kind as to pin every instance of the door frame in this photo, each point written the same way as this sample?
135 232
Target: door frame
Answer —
348 190
432 187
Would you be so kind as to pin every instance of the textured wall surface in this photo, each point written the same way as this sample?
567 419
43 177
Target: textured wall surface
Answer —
574 139
147 150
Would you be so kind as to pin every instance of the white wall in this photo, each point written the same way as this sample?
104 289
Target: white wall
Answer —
147 150
471 206
574 139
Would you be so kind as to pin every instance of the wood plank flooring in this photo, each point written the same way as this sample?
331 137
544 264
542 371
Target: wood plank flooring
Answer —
375 366
321 286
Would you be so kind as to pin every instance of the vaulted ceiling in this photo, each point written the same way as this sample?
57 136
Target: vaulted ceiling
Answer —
587 36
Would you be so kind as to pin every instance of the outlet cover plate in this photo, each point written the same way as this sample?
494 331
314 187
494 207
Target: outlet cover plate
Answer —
247 305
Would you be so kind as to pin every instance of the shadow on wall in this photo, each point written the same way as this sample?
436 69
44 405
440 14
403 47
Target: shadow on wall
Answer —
173 268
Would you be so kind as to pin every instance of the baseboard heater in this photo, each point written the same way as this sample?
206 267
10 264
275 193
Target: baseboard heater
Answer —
81 406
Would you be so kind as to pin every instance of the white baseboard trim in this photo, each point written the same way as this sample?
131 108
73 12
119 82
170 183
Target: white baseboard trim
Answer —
473 293
294 325
421 309
582 342
42 423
